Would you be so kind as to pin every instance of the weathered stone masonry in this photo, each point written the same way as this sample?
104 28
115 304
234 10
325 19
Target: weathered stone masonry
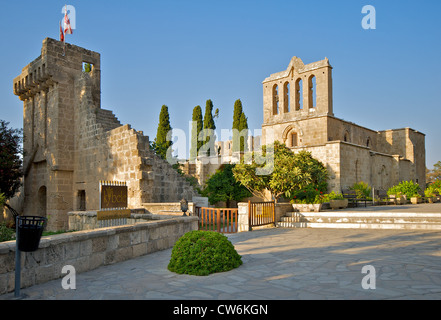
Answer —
70 143
299 111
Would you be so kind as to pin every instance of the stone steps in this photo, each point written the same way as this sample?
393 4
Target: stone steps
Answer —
362 220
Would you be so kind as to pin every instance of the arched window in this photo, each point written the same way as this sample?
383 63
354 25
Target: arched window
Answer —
286 100
294 139
368 142
275 99
346 136
299 94
312 91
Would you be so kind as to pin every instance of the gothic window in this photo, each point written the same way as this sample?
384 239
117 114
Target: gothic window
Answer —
346 136
275 99
368 142
299 94
286 100
312 91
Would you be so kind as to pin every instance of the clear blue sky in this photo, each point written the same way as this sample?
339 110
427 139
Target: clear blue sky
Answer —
181 53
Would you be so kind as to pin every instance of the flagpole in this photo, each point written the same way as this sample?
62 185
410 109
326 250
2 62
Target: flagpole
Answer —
64 33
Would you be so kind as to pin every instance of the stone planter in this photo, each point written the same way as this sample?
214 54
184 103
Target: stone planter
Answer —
398 199
415 200
338 203
301 207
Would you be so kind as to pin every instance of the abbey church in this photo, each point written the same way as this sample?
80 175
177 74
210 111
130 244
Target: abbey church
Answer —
298 111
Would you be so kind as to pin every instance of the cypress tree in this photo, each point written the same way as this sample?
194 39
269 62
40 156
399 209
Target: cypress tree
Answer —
243 129
196 128
162 146
236 123
209 127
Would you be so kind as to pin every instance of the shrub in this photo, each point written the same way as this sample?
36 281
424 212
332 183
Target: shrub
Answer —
2 200
430 191
6 233
435 186
362 190
201 253
332 196
408 188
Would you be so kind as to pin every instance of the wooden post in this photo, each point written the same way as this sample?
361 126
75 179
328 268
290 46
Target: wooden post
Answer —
218 220
249 216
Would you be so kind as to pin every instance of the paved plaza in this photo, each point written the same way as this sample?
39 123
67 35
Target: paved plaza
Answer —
278 263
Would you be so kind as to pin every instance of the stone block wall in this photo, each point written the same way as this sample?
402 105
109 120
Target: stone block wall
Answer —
88 250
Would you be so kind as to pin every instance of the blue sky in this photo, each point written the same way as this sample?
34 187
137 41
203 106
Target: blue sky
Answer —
181 53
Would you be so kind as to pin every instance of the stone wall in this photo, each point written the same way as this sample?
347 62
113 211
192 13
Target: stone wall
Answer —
70 143
88 250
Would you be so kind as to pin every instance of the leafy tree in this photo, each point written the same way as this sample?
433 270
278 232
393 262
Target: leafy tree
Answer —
281 172
222 186
196 129
163 141
209 127
10 162
435 174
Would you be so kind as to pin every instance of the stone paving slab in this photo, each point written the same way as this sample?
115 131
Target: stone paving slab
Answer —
278 264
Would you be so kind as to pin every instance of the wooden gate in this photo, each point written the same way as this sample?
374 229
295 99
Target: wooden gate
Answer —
261 213
218 219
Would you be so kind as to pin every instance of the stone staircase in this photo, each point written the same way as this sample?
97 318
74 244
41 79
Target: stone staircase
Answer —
362 220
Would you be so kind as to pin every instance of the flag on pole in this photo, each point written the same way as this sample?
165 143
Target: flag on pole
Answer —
61 33
67 26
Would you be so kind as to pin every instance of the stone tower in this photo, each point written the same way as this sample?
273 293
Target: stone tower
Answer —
70 143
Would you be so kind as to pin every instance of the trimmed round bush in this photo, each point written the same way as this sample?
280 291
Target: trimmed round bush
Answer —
201 253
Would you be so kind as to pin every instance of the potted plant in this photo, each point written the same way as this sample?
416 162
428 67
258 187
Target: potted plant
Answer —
415 199
337 201
429 193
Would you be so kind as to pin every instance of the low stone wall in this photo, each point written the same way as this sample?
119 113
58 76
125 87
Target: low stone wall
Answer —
87 220
88 250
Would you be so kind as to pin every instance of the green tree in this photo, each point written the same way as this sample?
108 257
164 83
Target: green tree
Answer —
435 174
222 186
10 161
163 143
237 113
196 129
243 129
281 172
209 127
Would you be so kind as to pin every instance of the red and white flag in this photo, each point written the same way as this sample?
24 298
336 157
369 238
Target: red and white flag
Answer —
61 33
67 26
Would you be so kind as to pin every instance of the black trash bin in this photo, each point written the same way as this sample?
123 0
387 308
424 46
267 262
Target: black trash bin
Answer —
29 231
